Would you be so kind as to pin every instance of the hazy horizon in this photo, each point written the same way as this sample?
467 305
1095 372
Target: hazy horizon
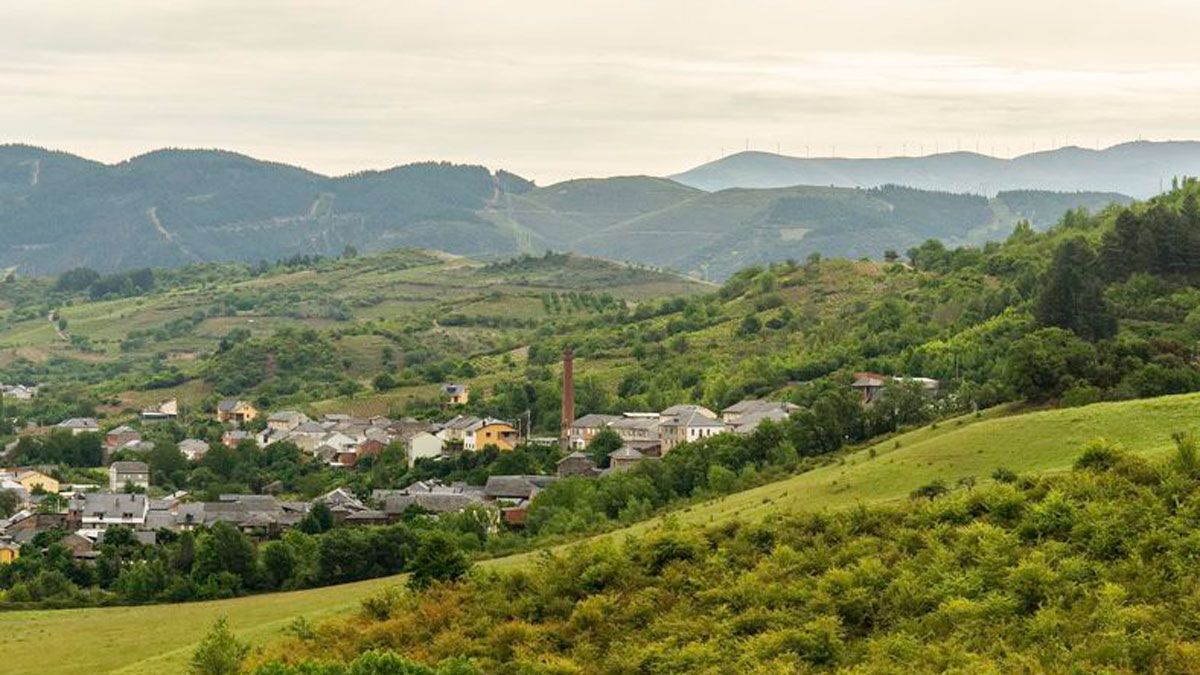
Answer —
554 91
383 167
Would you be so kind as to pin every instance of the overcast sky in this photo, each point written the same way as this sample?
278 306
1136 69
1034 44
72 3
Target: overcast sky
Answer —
562 88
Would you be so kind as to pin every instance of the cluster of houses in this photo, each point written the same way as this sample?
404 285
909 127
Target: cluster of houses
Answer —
653 434
90 512
342 440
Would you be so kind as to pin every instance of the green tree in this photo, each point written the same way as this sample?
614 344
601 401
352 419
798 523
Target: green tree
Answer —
1045 363
439 558
278 563
319 519
10 501
220 652
224 549
1072 295
605 441
749 326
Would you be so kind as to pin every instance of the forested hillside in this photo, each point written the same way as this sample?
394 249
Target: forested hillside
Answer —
173 207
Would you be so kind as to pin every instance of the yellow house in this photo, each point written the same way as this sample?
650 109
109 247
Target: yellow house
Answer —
9 553
457 394
31 479
238 412
493 432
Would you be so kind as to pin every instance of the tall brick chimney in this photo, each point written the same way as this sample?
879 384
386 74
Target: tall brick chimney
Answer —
568 398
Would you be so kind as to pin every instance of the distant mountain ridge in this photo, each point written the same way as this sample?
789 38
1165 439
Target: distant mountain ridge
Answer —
170 207
1140 169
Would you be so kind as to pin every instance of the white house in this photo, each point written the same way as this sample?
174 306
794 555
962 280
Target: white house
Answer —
99 511
687 424
422 445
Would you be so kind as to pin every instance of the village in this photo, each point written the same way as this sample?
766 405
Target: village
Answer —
129 498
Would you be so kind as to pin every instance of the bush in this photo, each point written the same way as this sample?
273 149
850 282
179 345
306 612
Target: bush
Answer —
1099 455
219 653
1004 475
439 558
931 490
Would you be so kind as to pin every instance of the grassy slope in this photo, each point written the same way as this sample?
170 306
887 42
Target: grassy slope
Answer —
101 640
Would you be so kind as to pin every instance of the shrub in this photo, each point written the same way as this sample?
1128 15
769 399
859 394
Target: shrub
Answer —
1004 475
219 653
931 490
1099 455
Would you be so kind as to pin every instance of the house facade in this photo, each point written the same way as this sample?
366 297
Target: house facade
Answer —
456 394
492 432
624 459
577 464
458 429
687 424
99 511
30 480
193 448
285 420
422 445
585 429
79 425
235 412
121 474
120 436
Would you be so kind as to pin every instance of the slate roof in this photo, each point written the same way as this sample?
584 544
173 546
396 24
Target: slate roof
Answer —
625 452
341 498
79 423
462 422
193 446
367 515
748 422
594 421
129 467
437 502
635 422
693 418
688 409
515 487
111 505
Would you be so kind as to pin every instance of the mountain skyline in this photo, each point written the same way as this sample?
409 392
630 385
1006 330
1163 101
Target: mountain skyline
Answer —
698 175
170 207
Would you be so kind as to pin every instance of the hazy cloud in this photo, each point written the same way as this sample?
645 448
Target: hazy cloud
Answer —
554 89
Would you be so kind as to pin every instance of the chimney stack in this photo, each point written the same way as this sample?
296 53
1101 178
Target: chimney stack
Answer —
568 398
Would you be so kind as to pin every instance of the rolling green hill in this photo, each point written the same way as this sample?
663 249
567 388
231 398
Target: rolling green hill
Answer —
1033 442
423 307
172 207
